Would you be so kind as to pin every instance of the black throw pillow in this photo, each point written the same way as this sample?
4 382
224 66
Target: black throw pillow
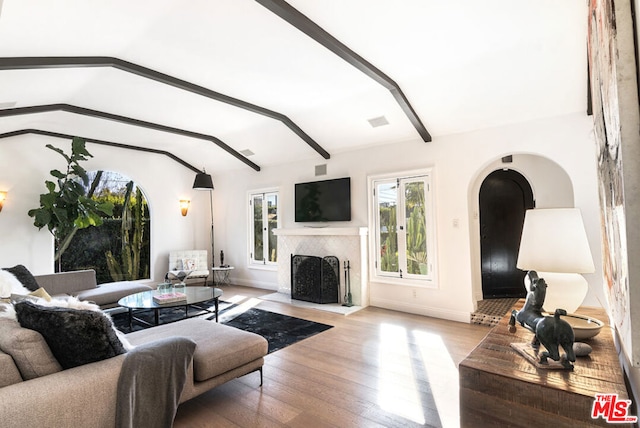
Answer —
24 276
75 336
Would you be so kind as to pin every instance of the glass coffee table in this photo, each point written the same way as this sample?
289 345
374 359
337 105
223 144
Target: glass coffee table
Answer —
144 301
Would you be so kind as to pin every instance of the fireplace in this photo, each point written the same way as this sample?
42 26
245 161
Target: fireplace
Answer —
345 243
315 279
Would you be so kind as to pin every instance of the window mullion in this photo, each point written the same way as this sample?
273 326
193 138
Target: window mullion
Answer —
265 228
402 229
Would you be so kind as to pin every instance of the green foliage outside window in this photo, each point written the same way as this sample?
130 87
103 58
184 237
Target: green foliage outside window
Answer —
258 245
118 249
412 193
416 229
389 238
68 206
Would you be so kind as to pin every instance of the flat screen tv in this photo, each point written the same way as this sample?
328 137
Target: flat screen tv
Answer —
327 200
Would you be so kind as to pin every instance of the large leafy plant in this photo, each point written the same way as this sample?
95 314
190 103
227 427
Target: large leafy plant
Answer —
67 206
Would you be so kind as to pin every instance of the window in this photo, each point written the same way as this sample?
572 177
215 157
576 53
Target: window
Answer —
263 215
403 225
118 249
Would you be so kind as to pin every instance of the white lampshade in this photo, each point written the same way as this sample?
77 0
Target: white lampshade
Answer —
554 240
554 244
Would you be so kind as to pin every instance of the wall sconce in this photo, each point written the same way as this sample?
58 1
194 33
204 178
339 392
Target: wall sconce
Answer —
184 206
3 196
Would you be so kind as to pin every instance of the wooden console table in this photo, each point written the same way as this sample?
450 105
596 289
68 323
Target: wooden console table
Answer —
499 388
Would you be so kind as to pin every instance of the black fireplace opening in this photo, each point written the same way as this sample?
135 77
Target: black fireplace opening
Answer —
315 279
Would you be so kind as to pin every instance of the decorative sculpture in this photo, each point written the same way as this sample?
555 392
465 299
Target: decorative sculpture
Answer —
550 331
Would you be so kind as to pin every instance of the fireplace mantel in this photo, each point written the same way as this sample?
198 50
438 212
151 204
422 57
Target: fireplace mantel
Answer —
321 231
345 243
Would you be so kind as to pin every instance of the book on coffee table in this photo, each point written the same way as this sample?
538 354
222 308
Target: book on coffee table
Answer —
172 297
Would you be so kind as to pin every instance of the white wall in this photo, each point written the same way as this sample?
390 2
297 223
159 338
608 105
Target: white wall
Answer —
459 161
25 163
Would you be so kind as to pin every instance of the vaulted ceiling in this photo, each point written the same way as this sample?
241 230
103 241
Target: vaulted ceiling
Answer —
242 84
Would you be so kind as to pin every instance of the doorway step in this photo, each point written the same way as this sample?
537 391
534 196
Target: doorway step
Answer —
491 311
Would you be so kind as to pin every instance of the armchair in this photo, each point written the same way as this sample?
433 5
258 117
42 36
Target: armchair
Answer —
195 261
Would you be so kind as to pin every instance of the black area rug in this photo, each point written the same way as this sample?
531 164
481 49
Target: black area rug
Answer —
167 315
279 330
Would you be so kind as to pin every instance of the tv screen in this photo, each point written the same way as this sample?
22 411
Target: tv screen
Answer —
328 200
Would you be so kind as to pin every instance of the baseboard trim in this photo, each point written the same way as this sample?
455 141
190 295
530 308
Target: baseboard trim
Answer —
446 314
255 284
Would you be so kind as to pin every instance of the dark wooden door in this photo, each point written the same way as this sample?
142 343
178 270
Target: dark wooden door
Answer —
505 195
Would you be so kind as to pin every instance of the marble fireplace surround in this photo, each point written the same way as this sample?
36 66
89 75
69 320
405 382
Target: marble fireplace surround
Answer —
346 243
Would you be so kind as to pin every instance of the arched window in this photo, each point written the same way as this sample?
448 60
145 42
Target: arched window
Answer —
118 250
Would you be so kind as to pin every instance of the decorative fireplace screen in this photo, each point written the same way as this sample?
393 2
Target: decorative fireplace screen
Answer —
315 279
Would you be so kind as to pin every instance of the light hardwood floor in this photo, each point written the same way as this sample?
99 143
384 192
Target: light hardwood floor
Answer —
375 368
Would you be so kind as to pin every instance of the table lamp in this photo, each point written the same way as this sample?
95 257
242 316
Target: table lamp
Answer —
554 244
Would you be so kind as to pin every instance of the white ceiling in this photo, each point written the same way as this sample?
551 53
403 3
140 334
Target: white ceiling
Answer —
462 64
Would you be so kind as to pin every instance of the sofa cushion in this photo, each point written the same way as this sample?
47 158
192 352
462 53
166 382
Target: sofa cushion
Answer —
29 350
68 282
9 373
220 348
111 292
24 276
75 336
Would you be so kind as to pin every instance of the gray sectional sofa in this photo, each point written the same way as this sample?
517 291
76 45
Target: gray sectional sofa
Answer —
35 390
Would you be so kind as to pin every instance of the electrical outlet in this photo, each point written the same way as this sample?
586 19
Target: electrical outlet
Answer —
415 294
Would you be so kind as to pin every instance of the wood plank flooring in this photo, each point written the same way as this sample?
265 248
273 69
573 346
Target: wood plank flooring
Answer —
375 368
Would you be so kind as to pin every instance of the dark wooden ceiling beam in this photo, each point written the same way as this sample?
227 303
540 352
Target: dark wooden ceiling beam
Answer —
21 63
285 11
124 119
100 142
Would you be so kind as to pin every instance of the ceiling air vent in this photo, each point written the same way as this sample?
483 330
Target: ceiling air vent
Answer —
378 121
246 152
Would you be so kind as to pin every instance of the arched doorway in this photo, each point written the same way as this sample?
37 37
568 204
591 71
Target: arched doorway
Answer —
504 197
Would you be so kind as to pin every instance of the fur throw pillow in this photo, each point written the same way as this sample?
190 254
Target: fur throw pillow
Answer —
75 336
24 276
9 285
7 310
